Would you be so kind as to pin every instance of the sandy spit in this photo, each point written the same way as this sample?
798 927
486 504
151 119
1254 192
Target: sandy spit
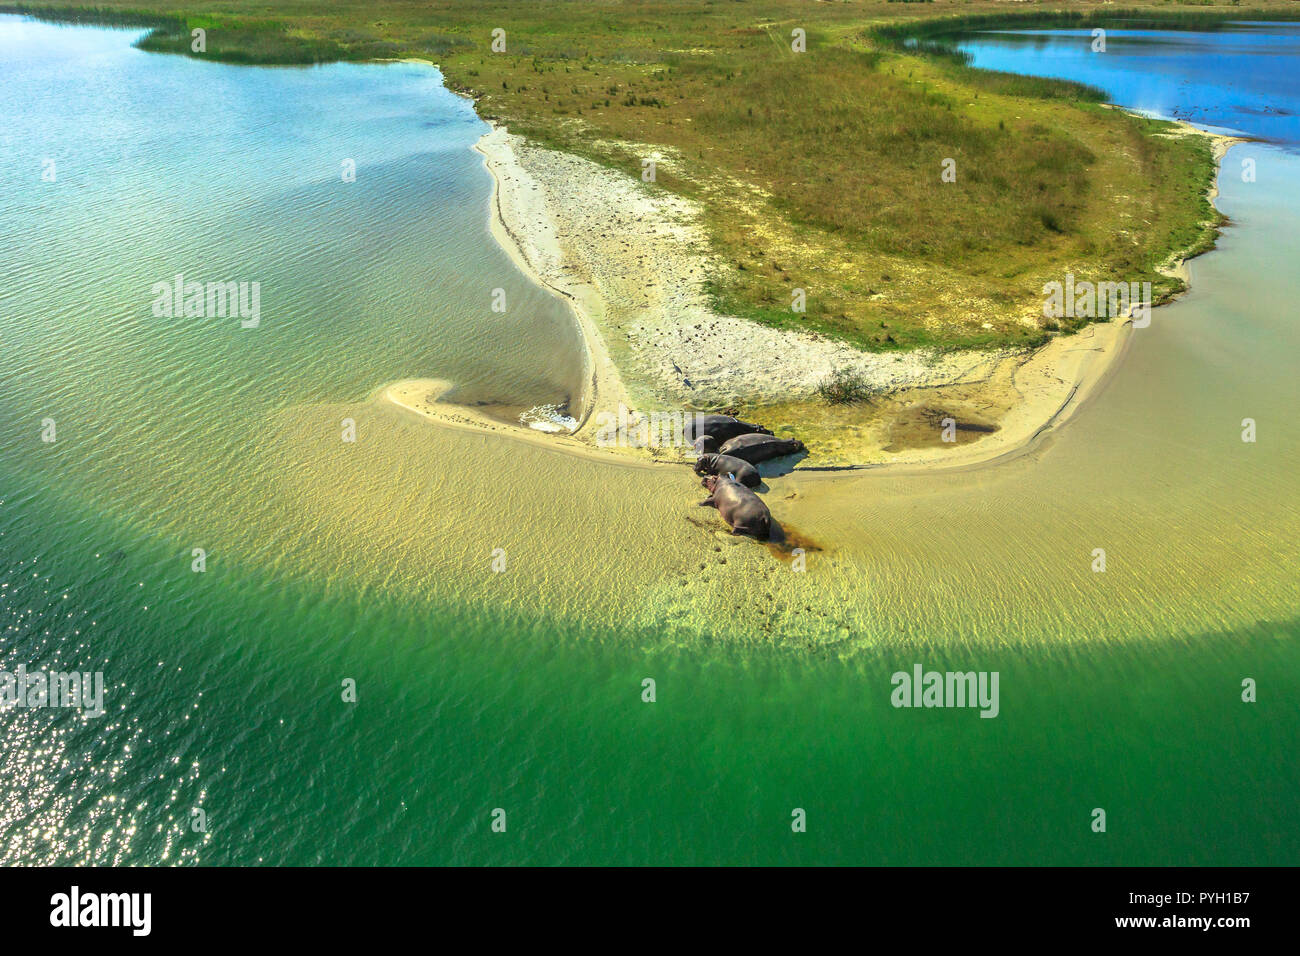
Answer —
632 262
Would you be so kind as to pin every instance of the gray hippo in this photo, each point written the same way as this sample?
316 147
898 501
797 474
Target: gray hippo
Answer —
756 448
743 510
720 427
742 471
705 445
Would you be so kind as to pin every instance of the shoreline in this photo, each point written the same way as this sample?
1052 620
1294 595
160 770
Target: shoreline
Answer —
538 255
537 214
422 397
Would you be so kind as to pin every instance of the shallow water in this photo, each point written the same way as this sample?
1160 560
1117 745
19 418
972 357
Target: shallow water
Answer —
522 689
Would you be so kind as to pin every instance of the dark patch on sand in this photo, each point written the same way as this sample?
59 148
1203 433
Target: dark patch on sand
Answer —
922 426
784 539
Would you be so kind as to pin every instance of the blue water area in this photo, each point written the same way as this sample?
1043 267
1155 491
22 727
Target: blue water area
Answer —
1241 78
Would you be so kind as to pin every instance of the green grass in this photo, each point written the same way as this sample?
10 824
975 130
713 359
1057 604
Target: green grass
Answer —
817 171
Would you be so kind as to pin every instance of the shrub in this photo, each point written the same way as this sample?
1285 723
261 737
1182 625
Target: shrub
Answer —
844 387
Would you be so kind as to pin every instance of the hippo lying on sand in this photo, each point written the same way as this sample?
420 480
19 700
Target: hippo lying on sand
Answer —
741 470
720 427
756 448
743 510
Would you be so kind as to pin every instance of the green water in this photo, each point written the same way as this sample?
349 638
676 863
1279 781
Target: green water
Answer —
522 691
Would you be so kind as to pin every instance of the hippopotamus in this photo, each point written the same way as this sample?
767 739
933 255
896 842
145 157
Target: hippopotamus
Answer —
705 445
743 510
756 448
720 427
741 470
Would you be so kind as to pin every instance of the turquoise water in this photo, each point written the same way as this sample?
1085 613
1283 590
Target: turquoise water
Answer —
224 688
168 165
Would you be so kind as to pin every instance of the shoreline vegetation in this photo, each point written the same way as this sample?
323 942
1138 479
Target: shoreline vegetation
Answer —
779 173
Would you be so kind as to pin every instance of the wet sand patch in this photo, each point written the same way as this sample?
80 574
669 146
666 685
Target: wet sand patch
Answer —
932 426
